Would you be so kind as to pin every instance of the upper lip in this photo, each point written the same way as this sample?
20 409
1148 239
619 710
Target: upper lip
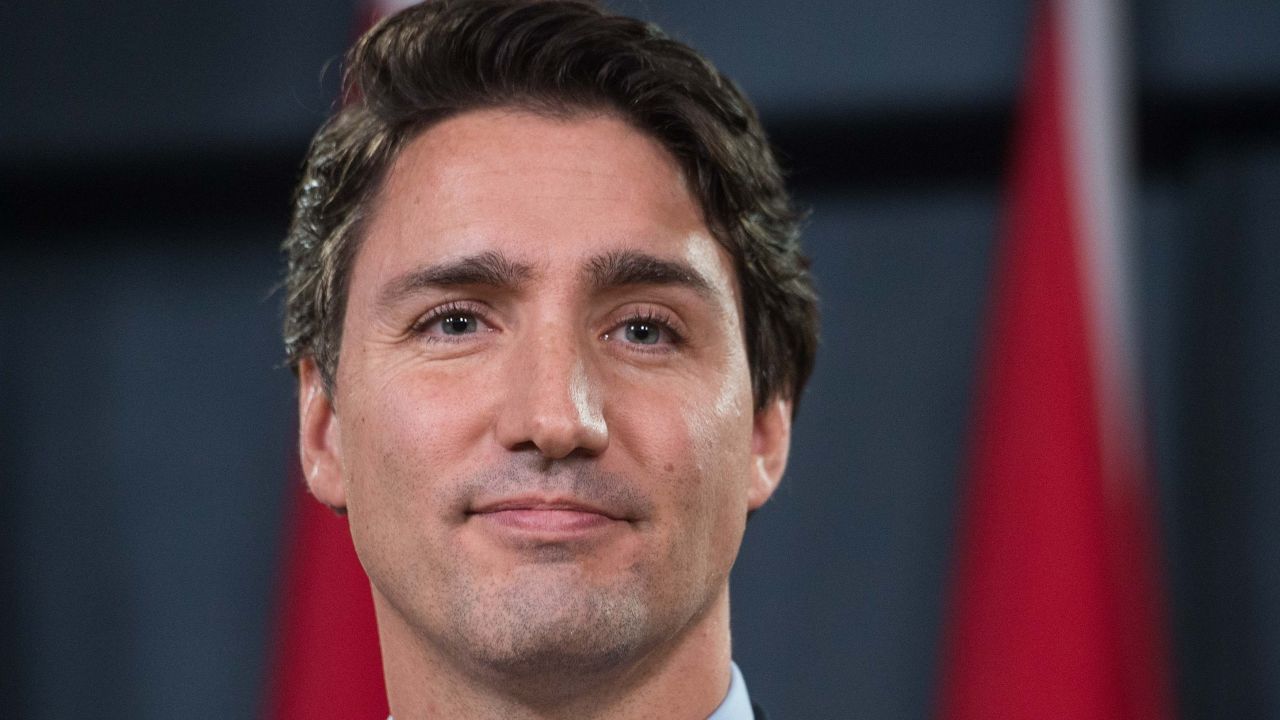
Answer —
534 502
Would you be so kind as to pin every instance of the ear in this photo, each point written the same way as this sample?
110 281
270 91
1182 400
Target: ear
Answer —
770 443
319 438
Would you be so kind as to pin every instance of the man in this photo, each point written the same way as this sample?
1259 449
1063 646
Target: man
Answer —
550 319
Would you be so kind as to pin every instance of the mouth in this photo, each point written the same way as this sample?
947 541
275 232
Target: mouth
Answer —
549 519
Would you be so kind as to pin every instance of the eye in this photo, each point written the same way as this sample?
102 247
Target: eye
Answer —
642 332
458 324
450 322
650 331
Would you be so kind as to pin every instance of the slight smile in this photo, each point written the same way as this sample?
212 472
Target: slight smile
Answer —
550 519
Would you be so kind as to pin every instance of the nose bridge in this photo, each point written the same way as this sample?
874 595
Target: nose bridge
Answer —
555 404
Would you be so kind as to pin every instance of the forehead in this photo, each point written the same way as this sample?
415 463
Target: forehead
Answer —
547 191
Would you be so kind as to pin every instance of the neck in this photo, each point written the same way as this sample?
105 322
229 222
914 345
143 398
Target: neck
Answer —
686 676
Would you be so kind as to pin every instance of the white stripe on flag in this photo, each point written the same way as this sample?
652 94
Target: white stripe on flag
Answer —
1095 93
385 8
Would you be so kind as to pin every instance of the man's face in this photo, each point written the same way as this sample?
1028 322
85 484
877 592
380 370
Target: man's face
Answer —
542 425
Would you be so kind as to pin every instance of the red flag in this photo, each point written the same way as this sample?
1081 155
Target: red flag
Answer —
1056 609
327 664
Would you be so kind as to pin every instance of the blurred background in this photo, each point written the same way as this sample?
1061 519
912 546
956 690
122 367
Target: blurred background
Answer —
147 155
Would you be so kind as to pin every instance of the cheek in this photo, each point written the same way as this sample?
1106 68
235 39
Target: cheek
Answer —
408 430
720 432
693 443
710 496
719 428
406 442
678 430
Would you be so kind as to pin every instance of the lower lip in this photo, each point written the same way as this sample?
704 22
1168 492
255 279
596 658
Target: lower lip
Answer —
566 523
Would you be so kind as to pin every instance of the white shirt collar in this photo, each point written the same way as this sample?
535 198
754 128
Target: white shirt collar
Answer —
737 704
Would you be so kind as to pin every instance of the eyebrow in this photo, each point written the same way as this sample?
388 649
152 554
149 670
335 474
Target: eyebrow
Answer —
609 271
631 267
492 269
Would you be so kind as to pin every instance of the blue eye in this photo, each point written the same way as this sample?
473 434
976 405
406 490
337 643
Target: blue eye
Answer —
643 333
451 322
458 324
650 331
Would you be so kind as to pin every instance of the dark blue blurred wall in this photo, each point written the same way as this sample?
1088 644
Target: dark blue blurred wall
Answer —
147 152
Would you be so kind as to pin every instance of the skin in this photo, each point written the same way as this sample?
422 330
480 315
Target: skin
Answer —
542 427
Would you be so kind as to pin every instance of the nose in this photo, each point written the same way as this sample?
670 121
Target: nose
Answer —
554 405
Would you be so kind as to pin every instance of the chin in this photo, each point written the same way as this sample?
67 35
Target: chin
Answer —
547 629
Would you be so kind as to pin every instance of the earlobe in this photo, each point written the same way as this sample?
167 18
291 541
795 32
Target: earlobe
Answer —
319 433
770 444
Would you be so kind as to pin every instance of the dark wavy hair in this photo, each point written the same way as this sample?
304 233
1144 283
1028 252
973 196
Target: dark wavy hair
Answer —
553 57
